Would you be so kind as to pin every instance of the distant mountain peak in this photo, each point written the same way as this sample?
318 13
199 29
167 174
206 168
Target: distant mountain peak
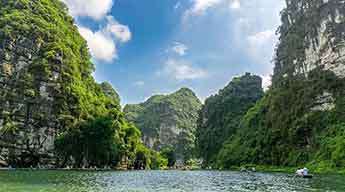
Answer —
167 120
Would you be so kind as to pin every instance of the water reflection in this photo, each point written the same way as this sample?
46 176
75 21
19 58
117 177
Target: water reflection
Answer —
163 181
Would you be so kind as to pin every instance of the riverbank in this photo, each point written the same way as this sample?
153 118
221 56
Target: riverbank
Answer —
250 168
292 170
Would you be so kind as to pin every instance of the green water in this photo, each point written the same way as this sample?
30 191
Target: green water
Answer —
163 181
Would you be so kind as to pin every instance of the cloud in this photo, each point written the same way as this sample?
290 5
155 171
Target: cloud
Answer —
96 9
179 48
235 4
103 43
102 47
253 30
199 7
182 70
266 81
121 32
259 42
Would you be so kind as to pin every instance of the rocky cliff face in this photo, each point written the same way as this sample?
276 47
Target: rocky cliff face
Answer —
312 39
301 119
167 121
45 80
315 29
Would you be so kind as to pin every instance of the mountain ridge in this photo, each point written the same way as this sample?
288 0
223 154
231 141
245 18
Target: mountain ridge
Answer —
167 120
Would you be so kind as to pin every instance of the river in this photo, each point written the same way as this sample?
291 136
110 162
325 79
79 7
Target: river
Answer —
163 181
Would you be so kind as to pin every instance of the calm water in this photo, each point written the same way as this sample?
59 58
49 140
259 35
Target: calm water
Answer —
162 181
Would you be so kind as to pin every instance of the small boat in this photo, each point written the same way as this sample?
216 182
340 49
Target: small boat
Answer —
307 176
303 173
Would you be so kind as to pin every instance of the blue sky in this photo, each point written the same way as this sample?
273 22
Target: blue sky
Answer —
147 47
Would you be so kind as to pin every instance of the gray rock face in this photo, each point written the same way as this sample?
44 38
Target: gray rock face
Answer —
167 121
46 83
321 26
312 42
28 122
324 102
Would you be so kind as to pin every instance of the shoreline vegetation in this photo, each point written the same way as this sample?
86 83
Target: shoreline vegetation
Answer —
246 168
53 113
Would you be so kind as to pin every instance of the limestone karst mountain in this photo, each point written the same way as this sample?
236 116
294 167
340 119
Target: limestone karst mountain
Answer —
167 121
46 84
301 120
221 115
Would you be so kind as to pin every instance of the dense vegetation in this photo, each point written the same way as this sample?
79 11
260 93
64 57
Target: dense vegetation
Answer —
46 68
222 113
52 112
168 121
300 121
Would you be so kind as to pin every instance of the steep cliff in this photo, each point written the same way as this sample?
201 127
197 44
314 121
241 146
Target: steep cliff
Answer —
221 115
45 80
167 121
302 118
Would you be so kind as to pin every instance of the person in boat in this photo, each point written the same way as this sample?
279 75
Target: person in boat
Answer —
302 172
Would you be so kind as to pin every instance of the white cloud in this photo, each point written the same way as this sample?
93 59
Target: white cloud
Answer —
96 9
266 81
261 37
254 31
102 47
235 4
259 42
199 7
102 43
121 32
179 48
182 70
139 83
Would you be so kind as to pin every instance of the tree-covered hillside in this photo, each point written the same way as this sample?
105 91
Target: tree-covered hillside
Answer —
48 97
301 119
221 115
168 121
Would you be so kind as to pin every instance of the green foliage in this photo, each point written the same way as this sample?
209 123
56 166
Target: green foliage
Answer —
93 143
149 159
106 141
283 130
91 128
300 120
220 117
158 161
332 148
175 111
169 154
110 92
44 31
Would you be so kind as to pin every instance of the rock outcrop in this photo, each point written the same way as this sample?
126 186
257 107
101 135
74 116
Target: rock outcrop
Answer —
45 80
302 118
167 121
221 115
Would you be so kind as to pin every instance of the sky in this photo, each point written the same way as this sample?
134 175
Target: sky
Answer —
148 47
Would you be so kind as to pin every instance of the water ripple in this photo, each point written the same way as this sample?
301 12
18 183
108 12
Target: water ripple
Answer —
164 181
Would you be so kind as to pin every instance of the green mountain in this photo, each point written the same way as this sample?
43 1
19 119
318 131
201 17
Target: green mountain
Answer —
48 97
301 120
167 121
221 115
